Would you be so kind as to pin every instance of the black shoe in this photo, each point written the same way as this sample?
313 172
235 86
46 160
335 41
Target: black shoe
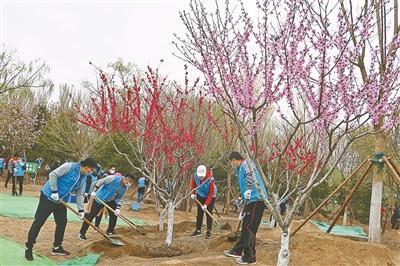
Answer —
232 253
196 233
110 233
242 261
59 251
208 234
28 254
82 237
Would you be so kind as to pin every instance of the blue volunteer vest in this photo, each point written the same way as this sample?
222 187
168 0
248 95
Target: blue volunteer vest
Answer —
67 183
142 182
107 191
19 170
204 189
241 173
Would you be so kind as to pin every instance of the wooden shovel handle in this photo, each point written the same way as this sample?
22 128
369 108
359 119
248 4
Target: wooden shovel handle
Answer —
122 216
86 220
209 214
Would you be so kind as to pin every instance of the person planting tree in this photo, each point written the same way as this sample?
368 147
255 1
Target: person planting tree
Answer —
68 178
253 211
205 191
110 191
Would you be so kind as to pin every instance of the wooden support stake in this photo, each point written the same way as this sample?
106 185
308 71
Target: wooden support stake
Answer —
330 196
394 166
395 175
348 198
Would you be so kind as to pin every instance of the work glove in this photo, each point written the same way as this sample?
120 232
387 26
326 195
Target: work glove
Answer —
54 196
81 214
247 194
241 216
93 195
193 196
204 207
117 212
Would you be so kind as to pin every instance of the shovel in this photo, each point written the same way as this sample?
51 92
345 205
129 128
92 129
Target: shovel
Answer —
114 242
232 237
224 226
126 220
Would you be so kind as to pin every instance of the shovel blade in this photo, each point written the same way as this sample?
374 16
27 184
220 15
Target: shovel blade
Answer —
116 242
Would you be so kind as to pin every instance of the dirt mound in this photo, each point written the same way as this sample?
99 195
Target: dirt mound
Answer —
141 250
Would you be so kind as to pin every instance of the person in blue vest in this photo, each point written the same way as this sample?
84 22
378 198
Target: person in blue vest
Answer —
68 178
141 187
244 250
204 189
90 181
1 167
18 175
110 190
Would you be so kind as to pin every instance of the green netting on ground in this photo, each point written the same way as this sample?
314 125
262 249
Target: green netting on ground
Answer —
89 260
12 254
342 230
25 207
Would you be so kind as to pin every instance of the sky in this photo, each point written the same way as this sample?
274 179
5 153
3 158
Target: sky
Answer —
68 34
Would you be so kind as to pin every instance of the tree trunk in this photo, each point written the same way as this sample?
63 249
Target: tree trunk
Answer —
284 253
345 215
228 192
161 222
377 188
306 208
170 228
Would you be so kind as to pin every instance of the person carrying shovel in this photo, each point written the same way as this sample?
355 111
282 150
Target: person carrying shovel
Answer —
253 211
64 180
205 191
109 190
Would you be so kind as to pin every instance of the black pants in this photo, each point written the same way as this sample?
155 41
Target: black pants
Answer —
9 176
20 180
200 213
96 207
98 218
43 211
247 242
140 193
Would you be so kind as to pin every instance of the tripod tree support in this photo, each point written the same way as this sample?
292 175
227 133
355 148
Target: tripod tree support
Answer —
346 202
392 169
330 196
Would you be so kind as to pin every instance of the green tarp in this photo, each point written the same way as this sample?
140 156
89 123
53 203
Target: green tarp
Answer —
12 254
89 260
25 207
342 230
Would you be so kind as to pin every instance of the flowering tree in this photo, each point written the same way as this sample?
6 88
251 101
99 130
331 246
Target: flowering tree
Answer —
377 59
162 124
302 70
15 74
20 123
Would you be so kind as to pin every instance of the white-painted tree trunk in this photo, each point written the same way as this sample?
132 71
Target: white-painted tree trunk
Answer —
161 222
375 212
346 210
170 228
284 253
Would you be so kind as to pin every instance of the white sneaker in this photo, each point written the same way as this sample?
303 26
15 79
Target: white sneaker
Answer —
243 262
